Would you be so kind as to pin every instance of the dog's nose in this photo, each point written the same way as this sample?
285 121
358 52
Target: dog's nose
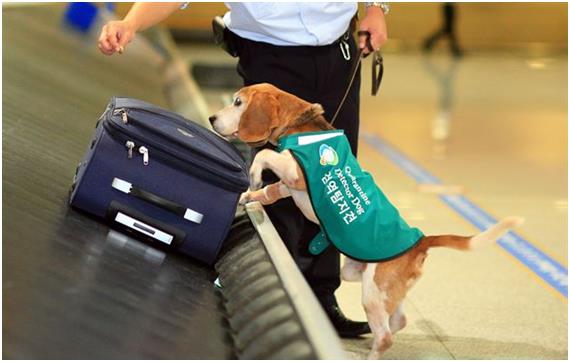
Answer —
212 119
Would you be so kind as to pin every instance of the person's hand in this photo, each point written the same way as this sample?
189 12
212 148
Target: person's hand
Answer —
115 35
375 23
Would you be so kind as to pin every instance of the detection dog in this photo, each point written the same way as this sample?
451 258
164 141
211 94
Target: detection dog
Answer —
263 113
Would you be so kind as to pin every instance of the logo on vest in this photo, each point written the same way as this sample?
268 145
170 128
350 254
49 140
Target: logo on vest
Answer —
328 155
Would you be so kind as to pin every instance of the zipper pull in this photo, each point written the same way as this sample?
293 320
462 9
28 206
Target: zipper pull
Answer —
144 152
123 113
130 145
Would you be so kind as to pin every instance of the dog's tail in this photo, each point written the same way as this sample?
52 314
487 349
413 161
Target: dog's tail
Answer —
474 242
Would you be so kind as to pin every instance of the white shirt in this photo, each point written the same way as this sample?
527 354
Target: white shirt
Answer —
290 24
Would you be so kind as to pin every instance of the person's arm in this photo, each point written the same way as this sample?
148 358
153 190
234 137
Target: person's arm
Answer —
375 23
115 35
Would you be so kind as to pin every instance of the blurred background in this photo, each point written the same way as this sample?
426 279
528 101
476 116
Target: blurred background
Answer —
479 26
470 125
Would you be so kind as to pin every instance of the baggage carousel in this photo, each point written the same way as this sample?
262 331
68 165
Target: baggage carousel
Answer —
74 288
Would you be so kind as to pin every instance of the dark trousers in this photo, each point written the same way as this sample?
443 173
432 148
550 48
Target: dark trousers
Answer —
317 75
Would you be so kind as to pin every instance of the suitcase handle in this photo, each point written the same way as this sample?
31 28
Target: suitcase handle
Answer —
129 188
133 220
144 228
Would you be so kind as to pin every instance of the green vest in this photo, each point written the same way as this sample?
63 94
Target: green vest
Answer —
354 214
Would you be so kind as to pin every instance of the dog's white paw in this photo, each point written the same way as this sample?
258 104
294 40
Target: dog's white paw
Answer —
373 355
245 198
255 181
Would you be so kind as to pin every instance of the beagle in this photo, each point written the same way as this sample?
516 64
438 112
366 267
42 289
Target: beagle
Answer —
263 113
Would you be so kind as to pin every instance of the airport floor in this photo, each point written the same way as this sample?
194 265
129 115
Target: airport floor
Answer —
490 127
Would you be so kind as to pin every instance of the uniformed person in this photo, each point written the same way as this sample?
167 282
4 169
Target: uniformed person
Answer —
306 49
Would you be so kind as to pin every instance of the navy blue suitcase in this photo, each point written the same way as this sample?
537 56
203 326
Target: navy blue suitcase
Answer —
153 173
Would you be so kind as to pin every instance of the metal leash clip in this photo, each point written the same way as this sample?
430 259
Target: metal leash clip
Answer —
344 47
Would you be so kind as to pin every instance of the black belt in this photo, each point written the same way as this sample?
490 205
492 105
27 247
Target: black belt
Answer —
291 49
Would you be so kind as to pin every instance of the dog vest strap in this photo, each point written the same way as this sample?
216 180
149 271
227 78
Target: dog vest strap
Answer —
319 243
353 213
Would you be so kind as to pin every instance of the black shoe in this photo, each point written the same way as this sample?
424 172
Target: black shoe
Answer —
344 326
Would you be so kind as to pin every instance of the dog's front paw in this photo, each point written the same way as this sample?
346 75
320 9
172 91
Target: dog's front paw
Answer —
245 198
255 181
251 196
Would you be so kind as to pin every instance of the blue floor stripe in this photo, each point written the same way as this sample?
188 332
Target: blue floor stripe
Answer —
538 262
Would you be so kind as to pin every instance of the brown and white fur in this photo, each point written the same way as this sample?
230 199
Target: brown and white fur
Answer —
263 113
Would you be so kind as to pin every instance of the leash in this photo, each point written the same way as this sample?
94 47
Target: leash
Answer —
377 70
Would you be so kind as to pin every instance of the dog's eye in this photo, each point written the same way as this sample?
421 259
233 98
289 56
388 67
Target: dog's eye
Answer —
237 102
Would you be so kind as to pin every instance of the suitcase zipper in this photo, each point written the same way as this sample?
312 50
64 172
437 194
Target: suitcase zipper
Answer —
168 155
130 119
141 106
144 140
123 113
221 180
144 151
130 145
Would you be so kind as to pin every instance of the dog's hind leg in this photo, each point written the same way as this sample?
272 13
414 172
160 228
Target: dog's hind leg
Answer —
374 303
398 320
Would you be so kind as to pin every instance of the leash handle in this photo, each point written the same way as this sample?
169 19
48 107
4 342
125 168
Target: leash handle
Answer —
368 41
353 71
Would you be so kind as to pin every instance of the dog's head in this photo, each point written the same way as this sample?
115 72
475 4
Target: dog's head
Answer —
259 113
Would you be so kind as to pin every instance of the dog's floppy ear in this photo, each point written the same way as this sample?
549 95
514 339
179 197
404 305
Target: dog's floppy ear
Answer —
259 119
317 108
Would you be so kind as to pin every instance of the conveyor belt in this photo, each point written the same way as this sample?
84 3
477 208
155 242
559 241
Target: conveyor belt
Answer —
71 287
75 289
